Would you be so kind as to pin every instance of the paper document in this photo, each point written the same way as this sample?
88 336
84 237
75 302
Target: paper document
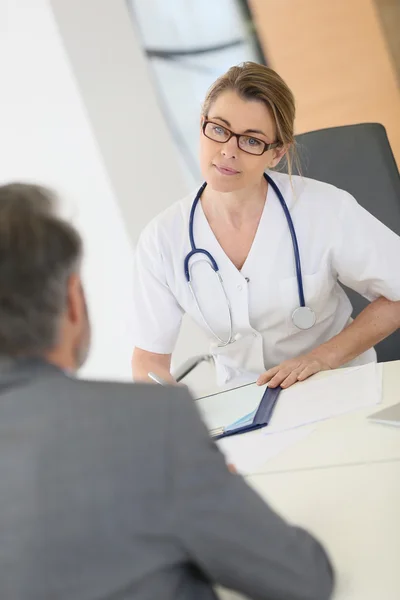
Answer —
335 394
250 451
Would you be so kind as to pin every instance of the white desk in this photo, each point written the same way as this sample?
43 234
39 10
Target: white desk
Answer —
347 439
342 483
354 511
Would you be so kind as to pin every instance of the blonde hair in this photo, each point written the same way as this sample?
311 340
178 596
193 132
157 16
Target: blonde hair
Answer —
252 81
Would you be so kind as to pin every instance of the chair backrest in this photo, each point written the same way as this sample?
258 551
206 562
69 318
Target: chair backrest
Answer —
358 159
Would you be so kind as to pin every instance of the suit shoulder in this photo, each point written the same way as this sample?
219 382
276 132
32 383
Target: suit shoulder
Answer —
112 393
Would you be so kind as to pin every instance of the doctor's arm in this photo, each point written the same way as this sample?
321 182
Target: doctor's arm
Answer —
376 322
144 362
364 254
156 313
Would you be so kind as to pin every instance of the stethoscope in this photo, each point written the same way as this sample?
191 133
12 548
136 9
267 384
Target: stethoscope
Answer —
303 317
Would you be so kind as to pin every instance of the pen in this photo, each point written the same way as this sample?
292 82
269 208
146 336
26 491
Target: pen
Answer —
216 432
157 379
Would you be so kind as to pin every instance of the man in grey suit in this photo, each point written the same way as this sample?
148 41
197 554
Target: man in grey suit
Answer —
114 491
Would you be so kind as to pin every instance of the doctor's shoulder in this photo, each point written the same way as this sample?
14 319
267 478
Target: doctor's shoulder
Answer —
320 197
170 225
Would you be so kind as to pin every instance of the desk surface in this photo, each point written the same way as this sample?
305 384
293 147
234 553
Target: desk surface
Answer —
343 440
347 439
354 511
342 483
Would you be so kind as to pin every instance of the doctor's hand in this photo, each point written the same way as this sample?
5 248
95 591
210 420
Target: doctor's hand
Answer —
293 370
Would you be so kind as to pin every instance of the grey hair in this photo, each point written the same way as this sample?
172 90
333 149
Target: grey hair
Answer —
38 253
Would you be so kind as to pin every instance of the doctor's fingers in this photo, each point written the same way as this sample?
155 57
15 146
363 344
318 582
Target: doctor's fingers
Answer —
267 376
285 379
292 378
302 373
287 374
276 375
311 369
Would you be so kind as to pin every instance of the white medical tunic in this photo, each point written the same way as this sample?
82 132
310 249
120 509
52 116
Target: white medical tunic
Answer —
339 241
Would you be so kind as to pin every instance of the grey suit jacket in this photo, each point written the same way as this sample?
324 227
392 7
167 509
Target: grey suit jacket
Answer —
114 491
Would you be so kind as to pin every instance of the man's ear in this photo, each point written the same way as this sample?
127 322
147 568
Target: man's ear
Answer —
74 298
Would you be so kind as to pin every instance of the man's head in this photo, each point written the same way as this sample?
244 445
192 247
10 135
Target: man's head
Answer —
43 312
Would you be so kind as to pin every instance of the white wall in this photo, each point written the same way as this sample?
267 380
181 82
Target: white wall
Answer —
45 137
116 89
138 151
77 112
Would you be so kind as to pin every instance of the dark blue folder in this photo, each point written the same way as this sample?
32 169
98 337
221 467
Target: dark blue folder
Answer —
261 418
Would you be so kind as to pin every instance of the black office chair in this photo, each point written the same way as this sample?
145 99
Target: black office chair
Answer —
358 159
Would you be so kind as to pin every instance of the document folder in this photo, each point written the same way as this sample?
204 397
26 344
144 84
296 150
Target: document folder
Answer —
256 420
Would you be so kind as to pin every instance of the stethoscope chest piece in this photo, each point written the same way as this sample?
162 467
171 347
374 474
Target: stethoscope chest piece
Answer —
303 317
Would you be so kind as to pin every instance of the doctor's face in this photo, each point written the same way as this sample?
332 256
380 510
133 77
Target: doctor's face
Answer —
224 165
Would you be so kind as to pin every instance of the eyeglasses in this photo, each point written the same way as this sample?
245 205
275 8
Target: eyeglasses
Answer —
247 143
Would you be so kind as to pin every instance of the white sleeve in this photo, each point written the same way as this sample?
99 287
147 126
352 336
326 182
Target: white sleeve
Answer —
366 253
157 315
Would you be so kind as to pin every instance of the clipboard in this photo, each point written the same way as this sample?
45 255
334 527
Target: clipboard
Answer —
261 418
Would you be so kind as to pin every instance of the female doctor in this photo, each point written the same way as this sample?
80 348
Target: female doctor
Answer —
256 256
